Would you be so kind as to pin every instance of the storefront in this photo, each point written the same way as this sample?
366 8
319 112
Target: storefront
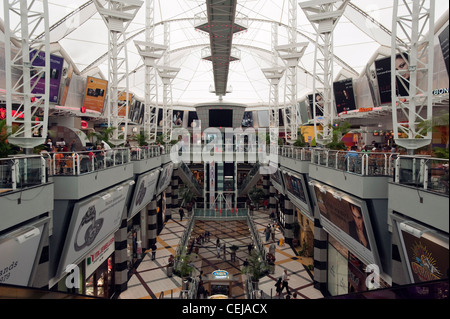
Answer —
305 234
134 240
161 211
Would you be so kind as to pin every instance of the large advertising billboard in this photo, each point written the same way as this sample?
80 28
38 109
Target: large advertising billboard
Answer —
344 95
56 66
346 218
92 221
165 178
425 252
319 101
297 191
443 40
18 251
277 180
95 95
144 192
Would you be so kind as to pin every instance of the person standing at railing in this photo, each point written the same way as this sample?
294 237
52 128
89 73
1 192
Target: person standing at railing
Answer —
59 156
351 159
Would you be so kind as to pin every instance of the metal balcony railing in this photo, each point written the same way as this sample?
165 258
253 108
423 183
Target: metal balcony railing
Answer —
422 172
361 163
22 171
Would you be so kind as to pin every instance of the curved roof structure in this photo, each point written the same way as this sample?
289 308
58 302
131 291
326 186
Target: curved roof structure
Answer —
363 29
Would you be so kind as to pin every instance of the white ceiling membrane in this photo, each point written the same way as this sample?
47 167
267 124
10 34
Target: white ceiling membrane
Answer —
362 30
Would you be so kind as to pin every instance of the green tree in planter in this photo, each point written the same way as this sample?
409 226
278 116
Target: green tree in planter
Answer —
338 134
141 138
6 149
257 267
184 265
300 142
103 135
256 194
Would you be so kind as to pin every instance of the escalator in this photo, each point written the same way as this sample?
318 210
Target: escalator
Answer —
188 178
250 180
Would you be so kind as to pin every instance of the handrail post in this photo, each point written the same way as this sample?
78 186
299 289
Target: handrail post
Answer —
43 170
397 170
423 164
14 174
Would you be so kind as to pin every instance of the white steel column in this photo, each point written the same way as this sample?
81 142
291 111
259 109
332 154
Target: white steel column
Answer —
274 74
24 23
167 75
291 53
416 28
150 53
117 15
323 15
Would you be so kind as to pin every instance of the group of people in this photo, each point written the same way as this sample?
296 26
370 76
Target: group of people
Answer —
269 231
60 146
282 283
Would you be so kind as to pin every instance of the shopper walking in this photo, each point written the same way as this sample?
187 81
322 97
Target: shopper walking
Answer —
272 232
267 232
218 247
285 282
250 248
278 286
154 252
181 212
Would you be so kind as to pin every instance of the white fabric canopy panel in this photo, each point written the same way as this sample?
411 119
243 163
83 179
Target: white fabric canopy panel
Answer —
361 31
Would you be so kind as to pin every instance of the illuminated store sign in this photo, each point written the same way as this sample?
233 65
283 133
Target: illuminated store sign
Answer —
220 273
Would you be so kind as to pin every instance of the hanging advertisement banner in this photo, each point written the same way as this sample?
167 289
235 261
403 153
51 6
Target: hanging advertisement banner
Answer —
56 65
92 221
95 95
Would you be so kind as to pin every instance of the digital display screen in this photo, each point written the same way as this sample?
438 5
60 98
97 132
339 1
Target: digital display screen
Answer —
221 118
319 100
192 116
344 96
383 71
247 120
443 40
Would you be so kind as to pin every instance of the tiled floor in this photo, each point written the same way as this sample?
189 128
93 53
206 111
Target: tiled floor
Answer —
150 279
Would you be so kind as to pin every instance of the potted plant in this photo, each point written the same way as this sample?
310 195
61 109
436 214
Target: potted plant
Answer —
256 194
184 266
256 268
6 149
141 138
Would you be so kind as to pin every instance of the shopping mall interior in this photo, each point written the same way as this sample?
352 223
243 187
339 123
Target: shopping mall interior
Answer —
224 149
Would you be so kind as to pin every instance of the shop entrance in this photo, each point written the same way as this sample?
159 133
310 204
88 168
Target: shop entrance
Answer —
101 282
